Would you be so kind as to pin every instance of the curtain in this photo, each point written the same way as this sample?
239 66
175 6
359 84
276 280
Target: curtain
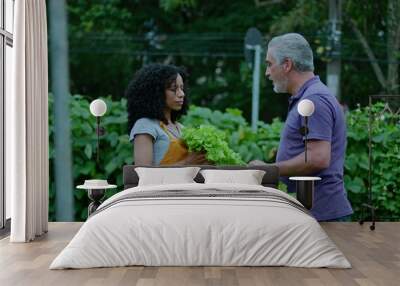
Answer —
27 173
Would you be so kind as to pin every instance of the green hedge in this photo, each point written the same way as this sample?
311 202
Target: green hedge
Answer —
385 160
116 150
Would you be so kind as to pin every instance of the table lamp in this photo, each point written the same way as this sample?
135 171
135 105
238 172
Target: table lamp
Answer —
305 108
98 108
96 188
305 185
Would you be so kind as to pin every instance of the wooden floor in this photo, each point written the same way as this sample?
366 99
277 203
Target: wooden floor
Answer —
374 255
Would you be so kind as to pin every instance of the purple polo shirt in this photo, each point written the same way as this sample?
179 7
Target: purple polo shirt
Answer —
327 123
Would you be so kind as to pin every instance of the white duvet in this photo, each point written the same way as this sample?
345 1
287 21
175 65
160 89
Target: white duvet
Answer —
183 231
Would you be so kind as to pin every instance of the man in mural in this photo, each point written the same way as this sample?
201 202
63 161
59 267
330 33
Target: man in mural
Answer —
290 66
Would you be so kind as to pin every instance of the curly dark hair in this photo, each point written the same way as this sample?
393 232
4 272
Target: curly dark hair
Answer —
146 93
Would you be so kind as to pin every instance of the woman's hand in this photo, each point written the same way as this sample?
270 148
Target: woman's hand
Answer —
196 158
257 163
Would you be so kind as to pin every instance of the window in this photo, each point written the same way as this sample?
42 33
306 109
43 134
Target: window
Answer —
6 44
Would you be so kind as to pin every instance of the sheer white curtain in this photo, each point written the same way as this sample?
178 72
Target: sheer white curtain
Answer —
27 124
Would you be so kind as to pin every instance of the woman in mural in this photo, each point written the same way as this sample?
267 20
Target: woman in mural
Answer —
156 100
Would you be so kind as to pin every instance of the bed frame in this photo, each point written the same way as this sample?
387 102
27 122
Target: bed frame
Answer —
270 179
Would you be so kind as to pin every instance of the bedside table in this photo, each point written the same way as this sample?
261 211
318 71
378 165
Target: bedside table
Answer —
96 190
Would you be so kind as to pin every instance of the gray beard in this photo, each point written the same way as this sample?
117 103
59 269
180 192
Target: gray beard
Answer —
280 88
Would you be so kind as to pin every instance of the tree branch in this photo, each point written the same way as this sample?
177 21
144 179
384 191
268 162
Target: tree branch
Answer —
375 66
260 3
393 22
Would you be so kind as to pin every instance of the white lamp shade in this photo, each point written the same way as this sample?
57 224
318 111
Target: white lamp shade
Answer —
306 107
98 107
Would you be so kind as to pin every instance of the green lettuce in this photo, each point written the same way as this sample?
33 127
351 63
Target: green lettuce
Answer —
213 142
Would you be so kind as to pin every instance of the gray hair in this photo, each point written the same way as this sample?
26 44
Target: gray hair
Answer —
295 47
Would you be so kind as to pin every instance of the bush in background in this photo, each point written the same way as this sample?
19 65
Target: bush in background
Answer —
385 160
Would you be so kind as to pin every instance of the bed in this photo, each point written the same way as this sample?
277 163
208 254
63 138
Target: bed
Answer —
201 224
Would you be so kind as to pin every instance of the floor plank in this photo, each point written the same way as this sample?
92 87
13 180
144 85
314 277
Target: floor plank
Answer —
374 255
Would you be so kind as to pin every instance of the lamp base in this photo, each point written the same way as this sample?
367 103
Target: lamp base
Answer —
305 190
305 193
95 195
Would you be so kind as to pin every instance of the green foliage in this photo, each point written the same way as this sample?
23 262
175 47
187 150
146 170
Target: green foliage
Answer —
304 15
385 160
210 140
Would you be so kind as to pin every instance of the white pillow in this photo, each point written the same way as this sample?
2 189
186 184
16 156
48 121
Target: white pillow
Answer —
164 176
249 177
